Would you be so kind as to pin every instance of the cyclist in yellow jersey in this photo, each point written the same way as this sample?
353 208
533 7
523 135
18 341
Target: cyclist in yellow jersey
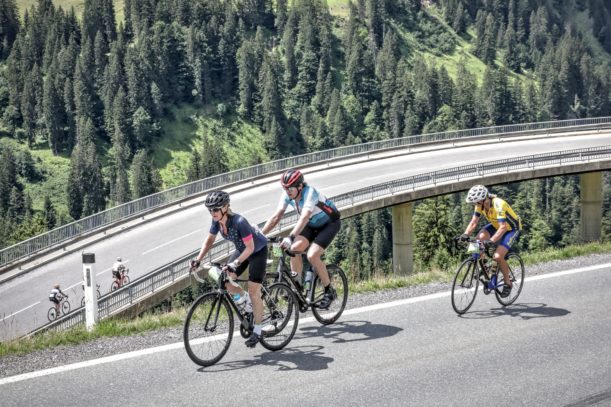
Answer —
503 229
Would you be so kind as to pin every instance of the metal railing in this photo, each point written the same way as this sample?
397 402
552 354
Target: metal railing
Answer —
169 273
174 195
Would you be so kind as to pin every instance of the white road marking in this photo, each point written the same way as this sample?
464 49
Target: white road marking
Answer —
171 241
254 209
179 345
21 310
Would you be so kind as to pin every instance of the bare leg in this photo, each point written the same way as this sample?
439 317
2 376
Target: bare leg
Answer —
314 257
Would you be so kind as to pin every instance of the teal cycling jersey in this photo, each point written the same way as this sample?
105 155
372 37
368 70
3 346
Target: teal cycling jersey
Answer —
310 199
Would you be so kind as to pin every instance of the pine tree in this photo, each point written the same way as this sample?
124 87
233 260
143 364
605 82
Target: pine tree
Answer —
30 109
432 231
194 170
145 179
49 213
214 159
9 21
281 15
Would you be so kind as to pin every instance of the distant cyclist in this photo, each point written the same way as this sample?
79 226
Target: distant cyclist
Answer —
503 228
319 222
251 252
56 296
118 270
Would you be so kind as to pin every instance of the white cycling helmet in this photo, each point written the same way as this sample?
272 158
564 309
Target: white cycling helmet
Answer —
477 194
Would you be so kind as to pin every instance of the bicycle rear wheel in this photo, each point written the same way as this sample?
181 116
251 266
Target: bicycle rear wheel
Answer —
280 316
208 329
464 287
52 314
340 284
516 274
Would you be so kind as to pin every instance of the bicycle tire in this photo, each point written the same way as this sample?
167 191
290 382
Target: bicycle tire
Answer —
52 314
339 281
65 307
516 274
83 302
205 344
114 286
125 281
464 286
280 308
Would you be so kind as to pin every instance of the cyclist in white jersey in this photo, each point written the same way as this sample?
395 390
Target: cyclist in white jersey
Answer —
318 223
55 296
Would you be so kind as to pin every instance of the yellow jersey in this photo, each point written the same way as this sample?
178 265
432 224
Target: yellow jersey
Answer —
500 211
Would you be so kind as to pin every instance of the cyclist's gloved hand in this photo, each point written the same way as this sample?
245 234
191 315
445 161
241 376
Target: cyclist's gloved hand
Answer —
464 237
286 242
489 243
233 266
194 264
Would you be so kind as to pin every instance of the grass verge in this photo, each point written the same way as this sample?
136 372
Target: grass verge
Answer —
115 327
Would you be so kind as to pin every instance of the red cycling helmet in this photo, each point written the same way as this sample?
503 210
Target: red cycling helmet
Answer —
291 178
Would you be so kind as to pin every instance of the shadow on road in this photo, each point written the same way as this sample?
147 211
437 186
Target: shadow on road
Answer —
351 331
306 357
524 311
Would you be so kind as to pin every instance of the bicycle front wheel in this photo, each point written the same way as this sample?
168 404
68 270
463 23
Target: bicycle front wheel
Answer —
339 282
125 280
464 287
114 286
208 329
65 307
516 275
280 316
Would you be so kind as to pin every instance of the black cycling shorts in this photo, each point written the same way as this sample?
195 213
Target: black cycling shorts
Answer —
54 299
257 262
324 235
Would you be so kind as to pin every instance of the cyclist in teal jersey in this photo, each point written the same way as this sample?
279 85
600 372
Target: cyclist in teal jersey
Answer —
319 222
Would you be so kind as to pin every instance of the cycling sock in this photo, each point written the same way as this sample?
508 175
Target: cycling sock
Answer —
257 329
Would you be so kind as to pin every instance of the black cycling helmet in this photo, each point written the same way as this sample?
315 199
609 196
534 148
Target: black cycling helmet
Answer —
291 178
216 199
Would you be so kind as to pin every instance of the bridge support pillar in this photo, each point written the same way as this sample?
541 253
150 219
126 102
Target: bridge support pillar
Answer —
591 205
403 239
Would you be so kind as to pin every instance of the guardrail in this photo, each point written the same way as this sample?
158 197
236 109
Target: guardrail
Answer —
141 206
164 275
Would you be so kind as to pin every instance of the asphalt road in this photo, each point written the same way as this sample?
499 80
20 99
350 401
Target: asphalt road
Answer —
551 348
24 301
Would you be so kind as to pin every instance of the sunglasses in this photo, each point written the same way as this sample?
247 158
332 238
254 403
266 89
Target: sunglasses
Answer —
290 189
214 210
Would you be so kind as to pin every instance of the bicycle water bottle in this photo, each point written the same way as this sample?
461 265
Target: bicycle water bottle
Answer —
243 302
308 280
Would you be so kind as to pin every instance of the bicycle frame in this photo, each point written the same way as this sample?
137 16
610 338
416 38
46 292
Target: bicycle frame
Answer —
480 257
305 301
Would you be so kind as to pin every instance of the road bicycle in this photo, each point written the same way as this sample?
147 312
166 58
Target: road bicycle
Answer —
209 324
64 308
97 292
480 268
118 283
310 298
